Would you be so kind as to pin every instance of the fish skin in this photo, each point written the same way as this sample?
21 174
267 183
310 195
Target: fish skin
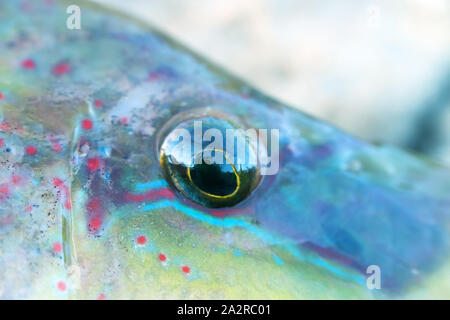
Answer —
84 175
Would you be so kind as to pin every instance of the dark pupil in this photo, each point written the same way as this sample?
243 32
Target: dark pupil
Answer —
216 179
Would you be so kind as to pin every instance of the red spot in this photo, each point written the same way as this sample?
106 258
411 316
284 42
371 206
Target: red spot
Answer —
95 224
15 179
162 257
31 150
87 124
29 208
124 120
95 214
28 64
141 240
60 184
1 142
186 269
98 103
1 95
93 164
5 126
4 191
61 68
57 182
62 286
57 247
68 204
101 297
56 147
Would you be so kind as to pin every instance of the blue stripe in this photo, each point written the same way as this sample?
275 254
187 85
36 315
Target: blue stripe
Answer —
231 222
278 260
156 184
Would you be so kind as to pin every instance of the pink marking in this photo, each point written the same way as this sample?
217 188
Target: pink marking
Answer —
57 182
65 191
31 150
149 196
68 204
98 103
141 240
186 269
4 126
101 296
4 191
1 95
62 286
95 214
15 179
162 257
95 224
57 247
1 142
56 147
228 212
61 68
28 64
87 124
93 164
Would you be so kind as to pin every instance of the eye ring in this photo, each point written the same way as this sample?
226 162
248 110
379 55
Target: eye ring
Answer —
238 180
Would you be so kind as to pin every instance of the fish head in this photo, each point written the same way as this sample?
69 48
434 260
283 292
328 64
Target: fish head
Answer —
110 188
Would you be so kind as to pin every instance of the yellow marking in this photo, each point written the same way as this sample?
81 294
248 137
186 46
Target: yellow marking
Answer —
238 181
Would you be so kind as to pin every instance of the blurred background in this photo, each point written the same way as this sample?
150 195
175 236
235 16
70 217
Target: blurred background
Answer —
378 69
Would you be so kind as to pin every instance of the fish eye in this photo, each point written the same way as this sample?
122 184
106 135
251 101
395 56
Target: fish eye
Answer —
209 160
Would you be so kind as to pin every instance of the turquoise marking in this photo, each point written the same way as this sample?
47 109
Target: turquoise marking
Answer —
278 260
231 223
237 253
320 262
105 151
156 184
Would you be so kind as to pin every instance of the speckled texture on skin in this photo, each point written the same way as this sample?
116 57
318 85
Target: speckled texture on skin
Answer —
85 211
